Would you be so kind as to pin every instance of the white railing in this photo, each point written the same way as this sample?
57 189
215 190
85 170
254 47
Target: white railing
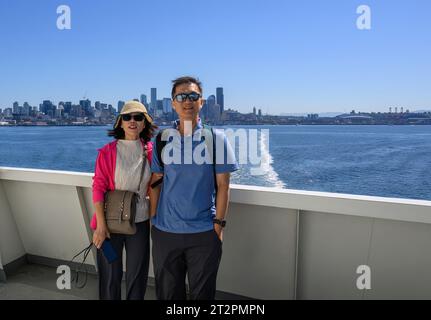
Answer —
279 244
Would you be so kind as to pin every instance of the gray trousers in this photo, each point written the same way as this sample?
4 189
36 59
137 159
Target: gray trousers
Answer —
196 254
137 263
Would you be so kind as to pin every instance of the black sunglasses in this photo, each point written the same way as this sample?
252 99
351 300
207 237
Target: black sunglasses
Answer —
192 96
136 117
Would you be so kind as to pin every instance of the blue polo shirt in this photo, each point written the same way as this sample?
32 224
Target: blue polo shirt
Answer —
187 199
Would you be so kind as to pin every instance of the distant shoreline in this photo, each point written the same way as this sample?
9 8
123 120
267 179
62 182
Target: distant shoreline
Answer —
55 125
231 124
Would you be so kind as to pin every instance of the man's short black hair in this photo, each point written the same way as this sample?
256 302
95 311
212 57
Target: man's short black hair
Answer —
185 80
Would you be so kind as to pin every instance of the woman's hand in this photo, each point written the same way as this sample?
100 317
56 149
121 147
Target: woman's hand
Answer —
157 175
100 234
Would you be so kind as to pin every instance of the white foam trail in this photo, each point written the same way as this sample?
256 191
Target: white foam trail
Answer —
266 163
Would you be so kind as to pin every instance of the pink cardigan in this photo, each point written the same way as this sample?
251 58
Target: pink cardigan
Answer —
104 175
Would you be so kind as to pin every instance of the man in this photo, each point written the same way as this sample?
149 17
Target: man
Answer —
189 207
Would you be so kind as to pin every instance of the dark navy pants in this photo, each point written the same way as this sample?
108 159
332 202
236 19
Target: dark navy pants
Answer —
137 263
195 254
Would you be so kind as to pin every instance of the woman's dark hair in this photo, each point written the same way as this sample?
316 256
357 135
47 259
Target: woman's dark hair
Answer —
185 80
146 134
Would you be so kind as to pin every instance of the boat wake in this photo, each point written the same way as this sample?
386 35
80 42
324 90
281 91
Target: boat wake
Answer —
266 170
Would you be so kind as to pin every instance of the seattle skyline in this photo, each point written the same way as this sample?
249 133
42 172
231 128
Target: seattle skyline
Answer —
280 56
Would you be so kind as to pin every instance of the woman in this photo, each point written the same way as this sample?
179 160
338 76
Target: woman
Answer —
118 167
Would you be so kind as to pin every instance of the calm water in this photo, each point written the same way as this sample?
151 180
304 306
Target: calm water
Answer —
392 161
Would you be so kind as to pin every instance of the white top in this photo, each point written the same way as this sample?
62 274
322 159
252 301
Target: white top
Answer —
128 172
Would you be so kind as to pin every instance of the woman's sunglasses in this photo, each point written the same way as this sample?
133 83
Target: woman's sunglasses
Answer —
136 117
192 96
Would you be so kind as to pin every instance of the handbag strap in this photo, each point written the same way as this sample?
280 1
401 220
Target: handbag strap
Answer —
144 163
81 265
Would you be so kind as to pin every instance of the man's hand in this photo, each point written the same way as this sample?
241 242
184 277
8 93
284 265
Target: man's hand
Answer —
219 230
222 200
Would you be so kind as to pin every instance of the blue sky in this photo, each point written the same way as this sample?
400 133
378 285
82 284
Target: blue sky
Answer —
279 55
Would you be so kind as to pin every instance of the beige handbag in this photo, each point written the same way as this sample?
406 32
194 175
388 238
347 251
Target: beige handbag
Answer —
120 207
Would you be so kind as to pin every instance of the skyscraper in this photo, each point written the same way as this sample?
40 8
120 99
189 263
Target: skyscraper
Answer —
15 107
204 111
47 108
211 101
220 98
67 107
153 104
59 112
167 105
86 106
120 106
144 99
159 108
215 112
26 109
